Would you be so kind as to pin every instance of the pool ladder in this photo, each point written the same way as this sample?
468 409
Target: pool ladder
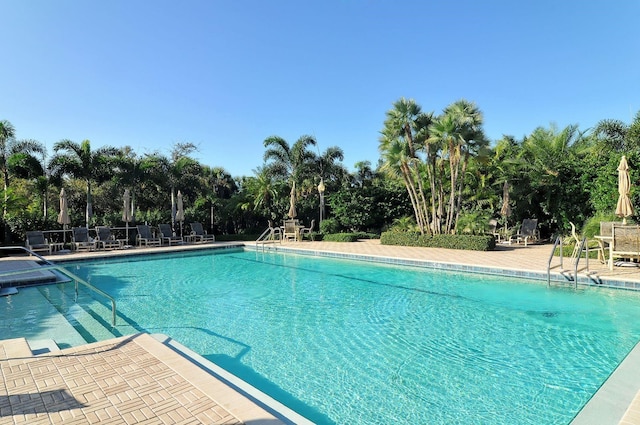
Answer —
51 266
271 234
581 247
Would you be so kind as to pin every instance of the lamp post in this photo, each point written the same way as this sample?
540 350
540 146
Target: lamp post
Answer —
321 192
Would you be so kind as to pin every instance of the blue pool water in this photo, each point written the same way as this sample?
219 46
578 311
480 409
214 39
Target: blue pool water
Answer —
360 343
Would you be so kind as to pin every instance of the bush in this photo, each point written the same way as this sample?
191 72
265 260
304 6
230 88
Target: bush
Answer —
592 226
469 242
329 225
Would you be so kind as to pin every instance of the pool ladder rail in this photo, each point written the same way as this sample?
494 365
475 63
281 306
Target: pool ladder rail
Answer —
580 247
270 235
59 269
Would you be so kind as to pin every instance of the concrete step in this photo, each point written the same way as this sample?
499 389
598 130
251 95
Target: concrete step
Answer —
91 319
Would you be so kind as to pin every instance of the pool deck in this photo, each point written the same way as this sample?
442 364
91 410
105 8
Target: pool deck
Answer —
142 379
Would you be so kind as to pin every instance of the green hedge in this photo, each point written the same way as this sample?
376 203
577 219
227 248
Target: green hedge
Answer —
469 242
340 237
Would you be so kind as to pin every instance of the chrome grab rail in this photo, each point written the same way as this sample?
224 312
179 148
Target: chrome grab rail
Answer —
583 247
553 250
76 279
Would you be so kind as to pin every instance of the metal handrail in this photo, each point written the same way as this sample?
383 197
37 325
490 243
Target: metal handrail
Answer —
76 279
575 265
263 238
555 244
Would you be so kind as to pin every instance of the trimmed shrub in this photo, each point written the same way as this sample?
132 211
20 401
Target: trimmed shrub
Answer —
329 225
469 242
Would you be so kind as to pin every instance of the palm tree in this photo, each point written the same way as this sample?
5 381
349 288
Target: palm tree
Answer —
178 170
218 184
292 163
79 161
289 162
405 131
458 131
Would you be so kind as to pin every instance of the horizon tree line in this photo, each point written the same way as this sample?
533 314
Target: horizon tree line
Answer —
436 174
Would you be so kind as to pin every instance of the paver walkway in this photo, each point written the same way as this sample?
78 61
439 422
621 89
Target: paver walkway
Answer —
126 380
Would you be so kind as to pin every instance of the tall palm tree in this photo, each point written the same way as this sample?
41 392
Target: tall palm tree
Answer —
131 172
292 163
402 140
7 135
79 161
458 131
217 185
288 161
178 170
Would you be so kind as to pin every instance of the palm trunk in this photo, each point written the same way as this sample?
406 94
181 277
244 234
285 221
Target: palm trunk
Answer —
89 210
460 187
406 175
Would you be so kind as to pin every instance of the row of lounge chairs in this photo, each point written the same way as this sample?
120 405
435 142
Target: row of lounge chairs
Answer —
105 239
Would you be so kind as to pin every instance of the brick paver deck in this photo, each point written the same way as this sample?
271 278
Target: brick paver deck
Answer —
127 380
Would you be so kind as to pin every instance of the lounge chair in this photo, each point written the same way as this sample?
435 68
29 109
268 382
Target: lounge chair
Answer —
166 235
36 242
145 236
81 239
307 230
199 235
528 231
105 239
291 230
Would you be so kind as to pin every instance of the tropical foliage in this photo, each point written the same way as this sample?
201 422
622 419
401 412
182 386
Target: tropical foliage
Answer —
437 174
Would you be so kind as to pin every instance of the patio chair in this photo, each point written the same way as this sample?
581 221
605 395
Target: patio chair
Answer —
166 235
291 230
493 229
199 235
625 243
36 242
604 239
528 231
105 239
146 237
82 240
307 230
275 233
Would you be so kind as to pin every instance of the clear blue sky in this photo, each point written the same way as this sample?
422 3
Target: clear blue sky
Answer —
225 75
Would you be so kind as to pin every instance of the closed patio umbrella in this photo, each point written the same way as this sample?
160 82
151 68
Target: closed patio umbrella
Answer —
180 211
126 210
624 208
63 216
292 202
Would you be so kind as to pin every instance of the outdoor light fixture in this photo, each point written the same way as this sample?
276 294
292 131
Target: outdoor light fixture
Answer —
321 192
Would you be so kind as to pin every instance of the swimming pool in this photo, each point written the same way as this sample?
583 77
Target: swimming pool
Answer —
360 343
